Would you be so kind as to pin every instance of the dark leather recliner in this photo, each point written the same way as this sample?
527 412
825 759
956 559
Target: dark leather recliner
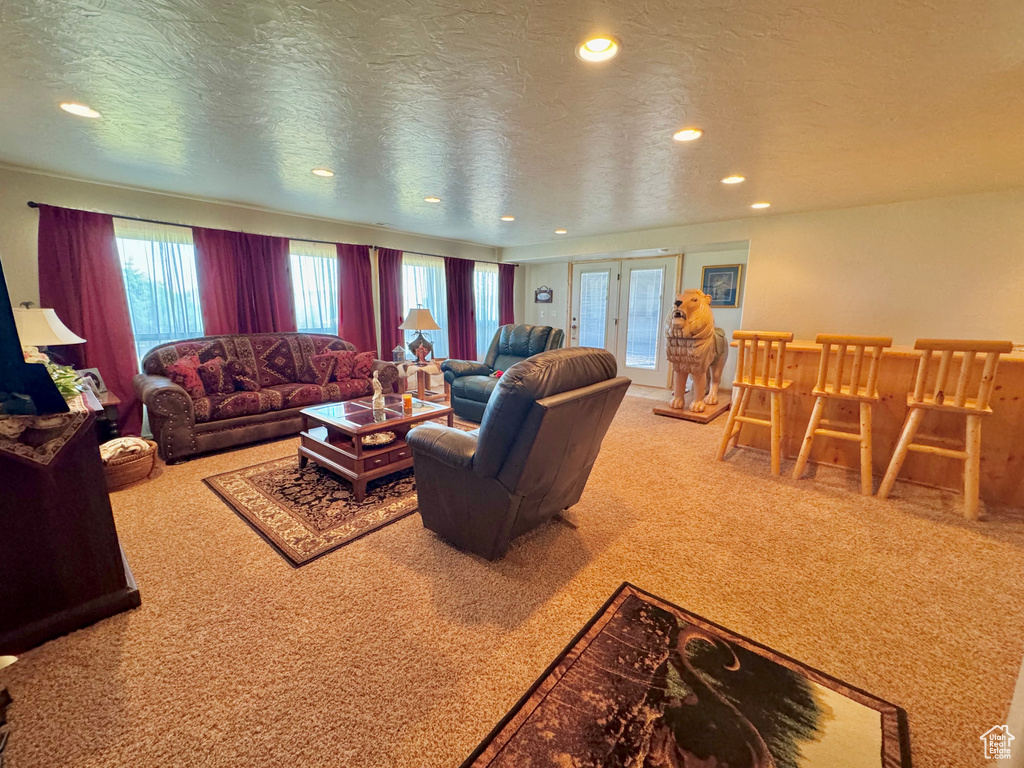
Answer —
531 457
471 382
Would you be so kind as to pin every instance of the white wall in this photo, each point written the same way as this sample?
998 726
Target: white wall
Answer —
726 318
555 276
950 267
19 223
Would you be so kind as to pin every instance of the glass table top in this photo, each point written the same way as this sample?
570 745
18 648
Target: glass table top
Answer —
358 415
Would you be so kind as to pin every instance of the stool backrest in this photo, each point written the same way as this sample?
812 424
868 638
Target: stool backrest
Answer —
844 345
753 361
970 350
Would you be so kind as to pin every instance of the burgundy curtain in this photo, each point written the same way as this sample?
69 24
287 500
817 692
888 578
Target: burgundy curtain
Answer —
458 275
506 293
355 297
245 283
389 267
80 278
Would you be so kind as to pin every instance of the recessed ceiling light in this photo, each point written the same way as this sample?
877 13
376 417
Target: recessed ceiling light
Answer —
432 199
761 205
79 109
598 49
561 231
733 179
325 172
508 218
688 134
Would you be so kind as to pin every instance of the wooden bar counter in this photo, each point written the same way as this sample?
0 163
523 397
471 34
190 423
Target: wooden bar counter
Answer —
1002 441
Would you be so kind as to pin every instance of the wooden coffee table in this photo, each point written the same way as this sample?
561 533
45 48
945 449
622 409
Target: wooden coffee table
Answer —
332 436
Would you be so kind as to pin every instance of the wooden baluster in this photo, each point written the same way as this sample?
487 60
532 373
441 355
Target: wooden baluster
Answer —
872 385
766 364
755 347
988 380
740 354
965 377
823 367
780 364
858 361
942 377
922 375
840 367
866 483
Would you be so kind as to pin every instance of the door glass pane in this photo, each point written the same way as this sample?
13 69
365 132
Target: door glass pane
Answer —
644 323
593 308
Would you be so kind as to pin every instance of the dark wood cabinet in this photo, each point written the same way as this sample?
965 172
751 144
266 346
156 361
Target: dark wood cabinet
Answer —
61 565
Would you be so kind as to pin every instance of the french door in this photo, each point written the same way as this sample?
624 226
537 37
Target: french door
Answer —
622 306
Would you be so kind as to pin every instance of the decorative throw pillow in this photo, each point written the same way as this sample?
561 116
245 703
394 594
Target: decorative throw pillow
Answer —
323 367
185 373
242 376
277 364
215 376
344 362
363 366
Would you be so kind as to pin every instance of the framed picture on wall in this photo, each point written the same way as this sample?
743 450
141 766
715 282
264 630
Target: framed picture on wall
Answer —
542 295
723 283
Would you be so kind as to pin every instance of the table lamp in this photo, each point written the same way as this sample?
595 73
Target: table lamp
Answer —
420 320
41 328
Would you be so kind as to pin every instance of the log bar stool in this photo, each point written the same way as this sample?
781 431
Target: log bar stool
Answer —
973 409
866 394
749 378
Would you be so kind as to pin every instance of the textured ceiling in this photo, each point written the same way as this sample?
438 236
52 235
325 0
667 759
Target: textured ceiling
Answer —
820 105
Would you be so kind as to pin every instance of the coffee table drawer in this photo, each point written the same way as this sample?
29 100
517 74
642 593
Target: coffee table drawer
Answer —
372 462
400 453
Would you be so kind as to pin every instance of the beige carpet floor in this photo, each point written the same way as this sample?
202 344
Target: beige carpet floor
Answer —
397 650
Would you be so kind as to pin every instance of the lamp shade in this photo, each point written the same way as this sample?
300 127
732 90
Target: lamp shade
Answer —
42 328
420 319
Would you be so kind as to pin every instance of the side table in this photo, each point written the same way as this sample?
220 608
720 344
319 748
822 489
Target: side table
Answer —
106 421
423 373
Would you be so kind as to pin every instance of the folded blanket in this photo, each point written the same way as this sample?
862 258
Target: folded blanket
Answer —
123 446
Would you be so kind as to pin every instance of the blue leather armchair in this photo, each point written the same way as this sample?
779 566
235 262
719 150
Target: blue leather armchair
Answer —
471 382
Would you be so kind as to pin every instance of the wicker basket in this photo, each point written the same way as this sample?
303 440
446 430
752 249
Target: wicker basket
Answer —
129 469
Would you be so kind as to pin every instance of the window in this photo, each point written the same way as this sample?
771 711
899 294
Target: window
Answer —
485 298
315 286
423 285
158 264
643 326
593 308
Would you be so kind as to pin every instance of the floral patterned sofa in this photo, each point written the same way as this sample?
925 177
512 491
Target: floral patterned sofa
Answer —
253 387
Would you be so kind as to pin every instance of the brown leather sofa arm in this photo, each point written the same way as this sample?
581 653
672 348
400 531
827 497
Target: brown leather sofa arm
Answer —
388 374
171 415
452 447
162 396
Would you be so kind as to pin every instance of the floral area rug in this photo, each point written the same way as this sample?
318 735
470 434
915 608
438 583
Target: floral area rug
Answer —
647 684
305 513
